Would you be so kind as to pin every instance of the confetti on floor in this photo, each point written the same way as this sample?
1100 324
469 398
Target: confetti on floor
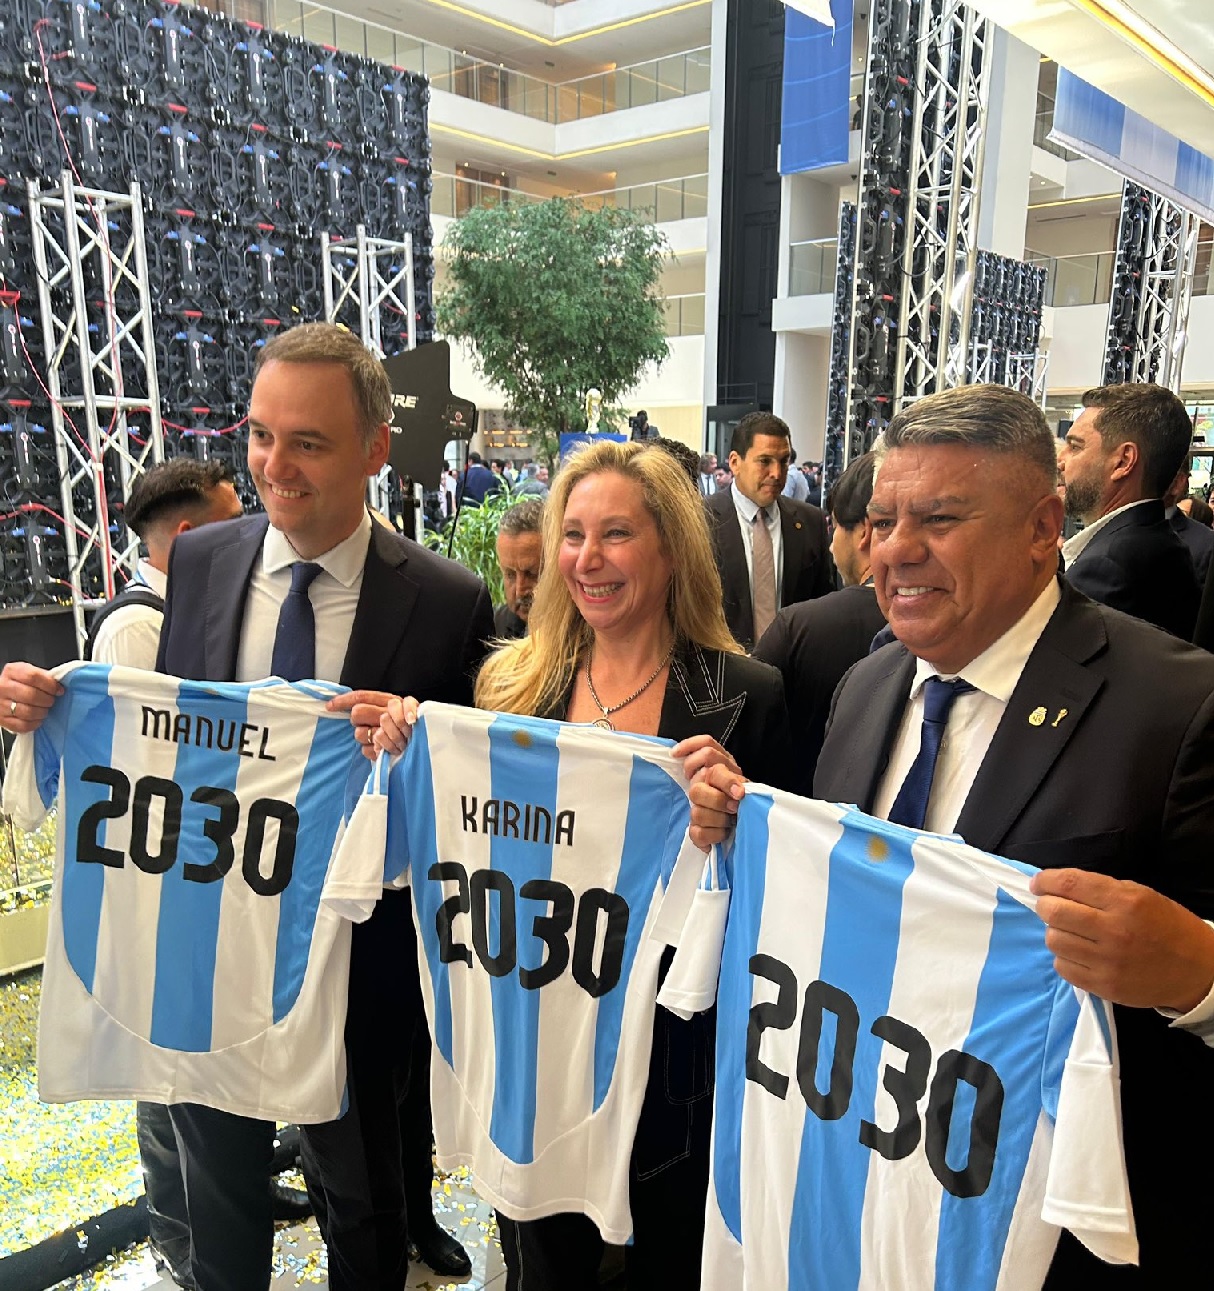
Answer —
64 1163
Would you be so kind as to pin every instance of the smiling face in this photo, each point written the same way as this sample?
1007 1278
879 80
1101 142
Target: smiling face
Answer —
307 455
964 541
611 555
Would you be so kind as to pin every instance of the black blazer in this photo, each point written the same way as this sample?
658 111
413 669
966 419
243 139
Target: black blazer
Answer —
419 629
1198 540
1137 564
813 644
808 569
740 703
1118 777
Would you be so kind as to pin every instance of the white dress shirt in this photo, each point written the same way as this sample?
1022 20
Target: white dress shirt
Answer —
131 635
1072 549
747 510
796 486
333 593
972 721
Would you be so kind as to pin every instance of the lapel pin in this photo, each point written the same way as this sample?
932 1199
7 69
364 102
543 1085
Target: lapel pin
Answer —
796 524
1061 714
1037 717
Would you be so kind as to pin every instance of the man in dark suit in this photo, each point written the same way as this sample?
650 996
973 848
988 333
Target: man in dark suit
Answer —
1082 738
1198 538
788 547
813 643
477 482
1117 462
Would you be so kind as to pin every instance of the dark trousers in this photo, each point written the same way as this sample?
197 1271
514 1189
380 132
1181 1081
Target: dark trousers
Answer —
164 1187
667 1183
369 1172
226 1164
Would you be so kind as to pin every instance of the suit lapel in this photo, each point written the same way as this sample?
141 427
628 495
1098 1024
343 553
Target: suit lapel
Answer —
1050 699
695 702
795 540
231 567
856 754
385 605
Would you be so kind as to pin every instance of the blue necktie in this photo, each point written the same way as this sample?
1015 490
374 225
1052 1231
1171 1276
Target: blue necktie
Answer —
295 637
910 806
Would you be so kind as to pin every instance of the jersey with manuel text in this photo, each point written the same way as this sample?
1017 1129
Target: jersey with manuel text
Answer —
199 937
537 853
908 1096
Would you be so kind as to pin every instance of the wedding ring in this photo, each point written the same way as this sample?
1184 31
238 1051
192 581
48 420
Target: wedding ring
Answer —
12 708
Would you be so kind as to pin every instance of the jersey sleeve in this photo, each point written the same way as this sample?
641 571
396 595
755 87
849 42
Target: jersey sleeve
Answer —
358 874
691 984
1086 1189
31 780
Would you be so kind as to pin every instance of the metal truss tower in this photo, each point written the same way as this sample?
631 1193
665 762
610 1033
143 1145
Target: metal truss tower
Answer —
365 279
93 296
1152 289
372 276
947 147
921 169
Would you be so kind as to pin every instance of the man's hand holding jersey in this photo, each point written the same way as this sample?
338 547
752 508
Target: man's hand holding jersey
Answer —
26 696
366 709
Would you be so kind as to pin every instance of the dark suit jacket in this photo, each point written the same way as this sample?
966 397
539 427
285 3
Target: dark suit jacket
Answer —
813 644
740 703
1137 564
808 570
508 625
419 629
1123 783
1198 540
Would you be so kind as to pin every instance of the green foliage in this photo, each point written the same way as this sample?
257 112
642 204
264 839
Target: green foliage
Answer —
476 538
555 299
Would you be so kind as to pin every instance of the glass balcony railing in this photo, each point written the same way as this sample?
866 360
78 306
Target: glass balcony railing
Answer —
668 199
685 315
1076 280
1042 125
811 266
639 85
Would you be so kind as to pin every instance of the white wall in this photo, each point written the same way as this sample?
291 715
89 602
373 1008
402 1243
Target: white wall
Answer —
1008 160
802 370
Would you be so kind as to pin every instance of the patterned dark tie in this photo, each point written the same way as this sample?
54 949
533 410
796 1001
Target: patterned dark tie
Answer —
295 637
763 575
910 806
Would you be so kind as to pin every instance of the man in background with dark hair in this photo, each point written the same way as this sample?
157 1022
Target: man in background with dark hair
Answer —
1117 461
771 551
520 544
1198 538
477 482
813 643
165 501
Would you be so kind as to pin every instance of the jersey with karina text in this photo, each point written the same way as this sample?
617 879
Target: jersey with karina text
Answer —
199 938
908 1096
537 853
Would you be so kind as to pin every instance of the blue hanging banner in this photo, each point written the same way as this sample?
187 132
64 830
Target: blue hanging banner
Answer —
1090 122
816 112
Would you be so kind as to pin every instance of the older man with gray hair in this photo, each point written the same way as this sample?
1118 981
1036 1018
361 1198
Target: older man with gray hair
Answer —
1041 726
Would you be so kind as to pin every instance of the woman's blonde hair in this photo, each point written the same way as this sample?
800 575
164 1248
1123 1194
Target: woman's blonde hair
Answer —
533 674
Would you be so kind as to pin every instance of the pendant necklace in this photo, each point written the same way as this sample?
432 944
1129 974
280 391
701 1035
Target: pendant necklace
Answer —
604 722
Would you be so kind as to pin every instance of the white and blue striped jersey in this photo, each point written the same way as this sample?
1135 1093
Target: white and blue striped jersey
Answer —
907 1095
549 864
199 937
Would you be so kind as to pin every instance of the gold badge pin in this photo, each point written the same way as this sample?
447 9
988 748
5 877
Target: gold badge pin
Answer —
1037 717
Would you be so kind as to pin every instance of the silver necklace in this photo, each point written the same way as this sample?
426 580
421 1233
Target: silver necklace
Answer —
604 722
